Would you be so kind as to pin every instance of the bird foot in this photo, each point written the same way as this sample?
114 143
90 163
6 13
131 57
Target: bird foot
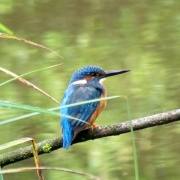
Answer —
94 126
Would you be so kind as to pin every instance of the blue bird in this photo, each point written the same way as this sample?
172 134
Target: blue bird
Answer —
85 84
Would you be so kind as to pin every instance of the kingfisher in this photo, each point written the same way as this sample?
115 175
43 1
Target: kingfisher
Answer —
85 84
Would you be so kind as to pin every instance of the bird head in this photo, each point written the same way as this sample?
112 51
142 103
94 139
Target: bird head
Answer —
88 73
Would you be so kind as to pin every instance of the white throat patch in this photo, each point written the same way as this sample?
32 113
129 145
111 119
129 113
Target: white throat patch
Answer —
101 80
83 81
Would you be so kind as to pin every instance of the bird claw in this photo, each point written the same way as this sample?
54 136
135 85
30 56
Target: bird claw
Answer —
94 126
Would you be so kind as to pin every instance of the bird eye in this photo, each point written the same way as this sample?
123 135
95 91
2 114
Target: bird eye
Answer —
93 74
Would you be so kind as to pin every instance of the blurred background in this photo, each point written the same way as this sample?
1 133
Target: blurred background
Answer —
143 36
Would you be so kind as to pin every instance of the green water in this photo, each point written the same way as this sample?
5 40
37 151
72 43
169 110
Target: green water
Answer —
143 36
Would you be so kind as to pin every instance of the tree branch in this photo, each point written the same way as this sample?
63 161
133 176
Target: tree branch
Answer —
49 145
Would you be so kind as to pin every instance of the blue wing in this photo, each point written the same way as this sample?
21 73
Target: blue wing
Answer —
79 93
75 94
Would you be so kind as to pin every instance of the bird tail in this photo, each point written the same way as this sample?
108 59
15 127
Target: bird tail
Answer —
68 133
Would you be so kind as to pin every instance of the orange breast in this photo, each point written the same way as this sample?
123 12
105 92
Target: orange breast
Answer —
97 112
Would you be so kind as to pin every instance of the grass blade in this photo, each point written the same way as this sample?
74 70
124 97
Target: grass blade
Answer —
25 116
14 143
37 160
15 170
90 101
5 29
15 78
51 109
36 109
134 143
35 153
10 36
27 108
1 176
27 83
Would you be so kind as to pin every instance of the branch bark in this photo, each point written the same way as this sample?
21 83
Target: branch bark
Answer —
50 145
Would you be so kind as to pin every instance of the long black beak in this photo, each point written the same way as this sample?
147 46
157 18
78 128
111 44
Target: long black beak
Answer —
114 72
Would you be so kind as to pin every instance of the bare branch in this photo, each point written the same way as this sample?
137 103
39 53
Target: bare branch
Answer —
49 145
